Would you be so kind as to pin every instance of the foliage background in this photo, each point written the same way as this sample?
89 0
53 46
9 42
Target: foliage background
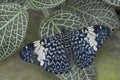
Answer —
107 60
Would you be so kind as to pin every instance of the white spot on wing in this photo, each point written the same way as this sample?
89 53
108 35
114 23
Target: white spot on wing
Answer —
90 28
39 50
91 35
95 48
26 47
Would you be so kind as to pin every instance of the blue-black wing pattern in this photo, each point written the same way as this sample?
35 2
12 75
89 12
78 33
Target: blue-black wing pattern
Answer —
56 60
86 41
54 53
48 53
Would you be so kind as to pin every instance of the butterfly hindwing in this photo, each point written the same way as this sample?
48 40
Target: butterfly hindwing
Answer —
86 41
48 53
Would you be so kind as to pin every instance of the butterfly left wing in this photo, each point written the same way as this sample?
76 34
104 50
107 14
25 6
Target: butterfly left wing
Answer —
48 53
86 42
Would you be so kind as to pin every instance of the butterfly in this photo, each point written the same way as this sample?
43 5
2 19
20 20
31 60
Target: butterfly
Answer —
56 53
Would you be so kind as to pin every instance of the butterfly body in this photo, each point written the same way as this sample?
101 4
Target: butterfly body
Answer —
55 53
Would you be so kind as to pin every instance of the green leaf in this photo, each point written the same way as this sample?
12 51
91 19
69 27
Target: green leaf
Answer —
43 4
80 13
21 2
76 73
94 12
2 1
13 25
113 2
52 26
58 20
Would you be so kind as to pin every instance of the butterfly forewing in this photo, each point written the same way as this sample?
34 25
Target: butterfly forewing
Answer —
102 34
27 54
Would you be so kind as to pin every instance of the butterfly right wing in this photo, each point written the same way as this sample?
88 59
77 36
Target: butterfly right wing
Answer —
86 42
48 53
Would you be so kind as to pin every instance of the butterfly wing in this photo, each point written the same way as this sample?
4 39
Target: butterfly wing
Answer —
48 53
86 41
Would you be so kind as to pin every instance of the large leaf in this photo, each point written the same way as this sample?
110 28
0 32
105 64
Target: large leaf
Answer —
21 2
13 25
76 73
1 1
113 2
43 4
52 26
59 19
94 12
